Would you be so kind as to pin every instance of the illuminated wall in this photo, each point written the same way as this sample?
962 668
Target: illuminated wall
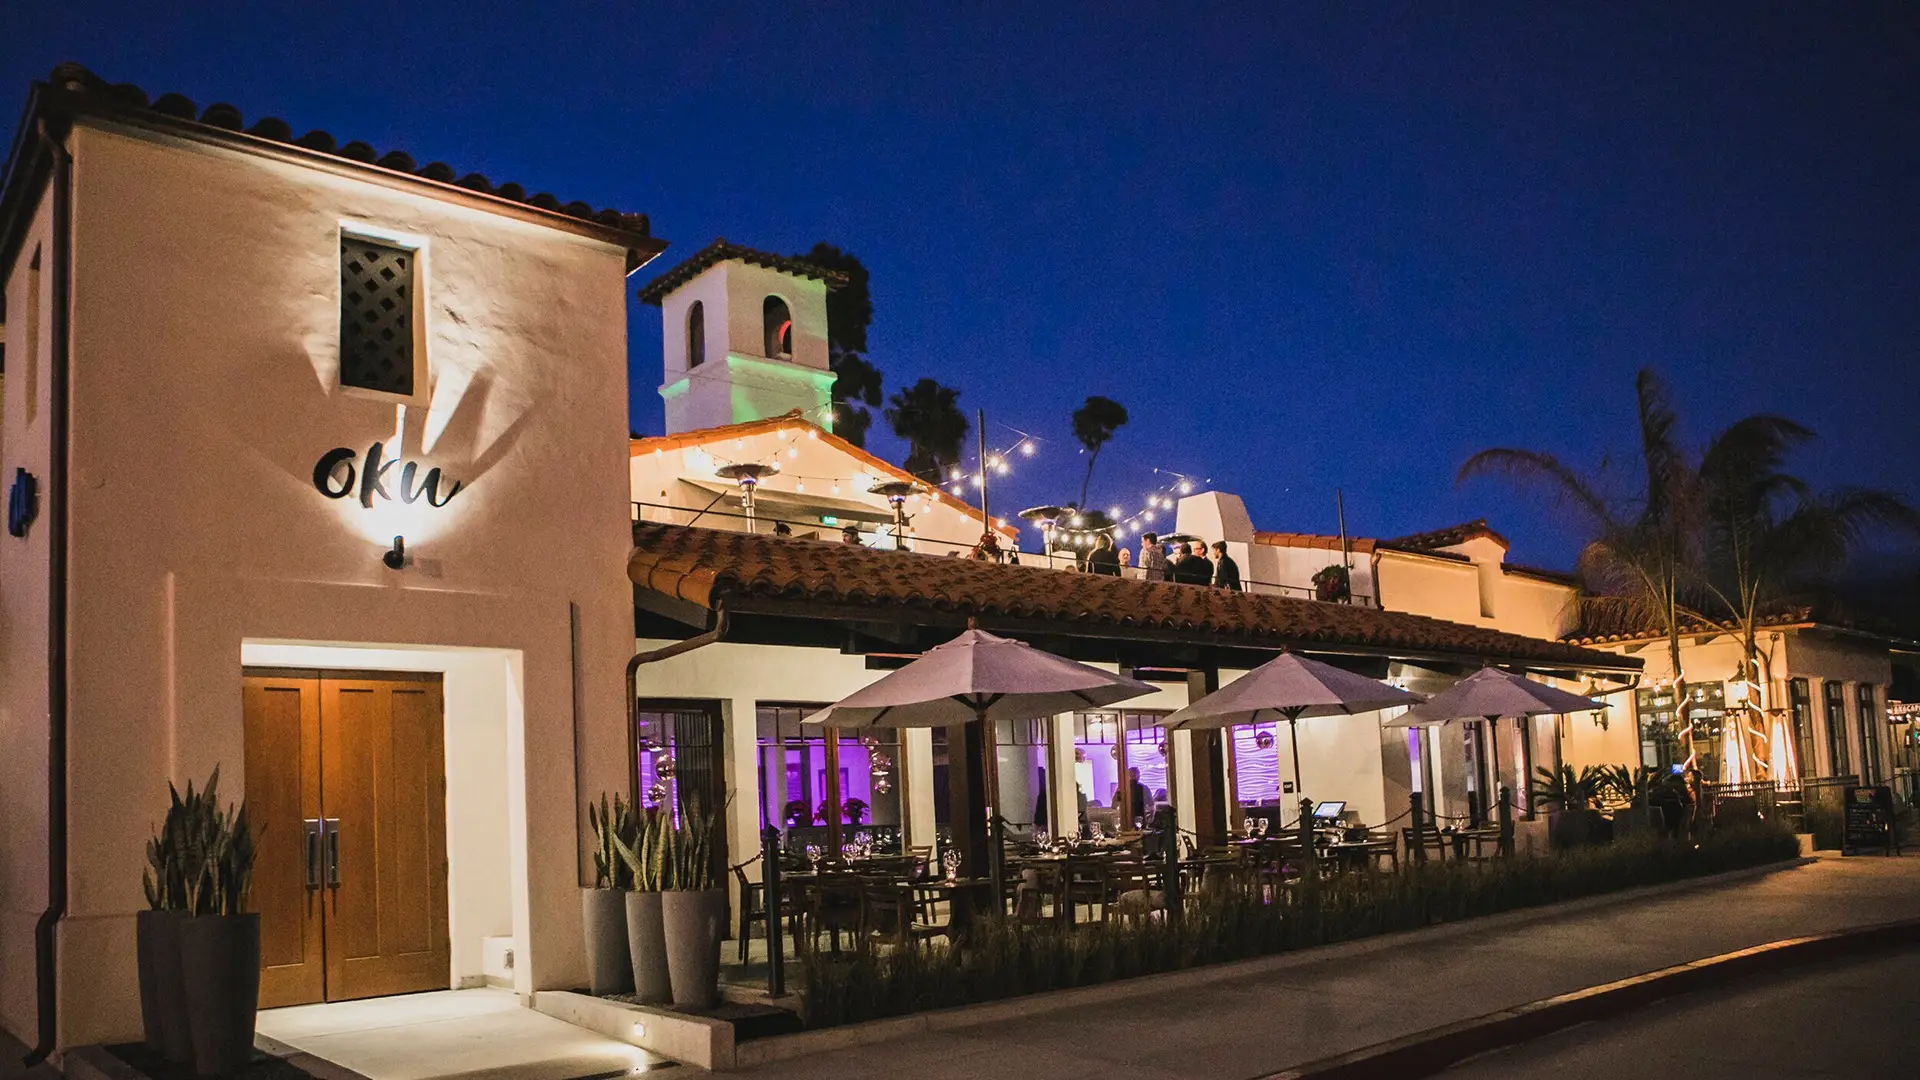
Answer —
205 328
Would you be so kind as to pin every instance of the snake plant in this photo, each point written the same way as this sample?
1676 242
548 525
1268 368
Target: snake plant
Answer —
201 860
611 825
644 850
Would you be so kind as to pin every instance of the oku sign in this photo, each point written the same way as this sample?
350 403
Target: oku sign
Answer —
341 473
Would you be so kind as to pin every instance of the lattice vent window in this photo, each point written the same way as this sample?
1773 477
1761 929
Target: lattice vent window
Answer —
376 316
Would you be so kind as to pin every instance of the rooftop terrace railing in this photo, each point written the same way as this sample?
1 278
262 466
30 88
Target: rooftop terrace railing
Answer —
668 514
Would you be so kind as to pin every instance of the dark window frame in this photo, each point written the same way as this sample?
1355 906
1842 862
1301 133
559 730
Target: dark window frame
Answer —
1839 758
379 316
696 335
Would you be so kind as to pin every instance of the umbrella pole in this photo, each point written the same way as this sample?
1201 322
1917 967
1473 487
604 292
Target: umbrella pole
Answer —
1493 738
990 776
1293 735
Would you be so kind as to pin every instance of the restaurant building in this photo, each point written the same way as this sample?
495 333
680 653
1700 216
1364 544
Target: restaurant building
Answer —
316 476
317 467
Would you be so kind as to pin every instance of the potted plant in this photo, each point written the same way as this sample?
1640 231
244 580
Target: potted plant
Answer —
1573 823
855 810
1639 793
603 908
694 907
163 1010
1332 584
645 854
219 937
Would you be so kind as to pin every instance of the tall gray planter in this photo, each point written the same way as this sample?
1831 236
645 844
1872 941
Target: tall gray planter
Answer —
695 922
220 963
163 1001
609 961
647 946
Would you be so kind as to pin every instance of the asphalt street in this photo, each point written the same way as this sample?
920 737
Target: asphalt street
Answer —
1858 1019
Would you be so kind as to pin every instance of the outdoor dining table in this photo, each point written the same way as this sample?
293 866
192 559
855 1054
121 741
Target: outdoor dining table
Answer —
1361 853
1477 839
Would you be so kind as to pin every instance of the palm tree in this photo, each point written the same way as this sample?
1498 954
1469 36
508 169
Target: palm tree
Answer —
1094 423
856 387
928 416
1640 553
1767 535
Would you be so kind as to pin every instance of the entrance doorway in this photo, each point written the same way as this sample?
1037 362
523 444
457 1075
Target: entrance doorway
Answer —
346 786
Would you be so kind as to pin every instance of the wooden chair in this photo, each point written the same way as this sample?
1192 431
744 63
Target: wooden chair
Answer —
833 904
890 909
1429 839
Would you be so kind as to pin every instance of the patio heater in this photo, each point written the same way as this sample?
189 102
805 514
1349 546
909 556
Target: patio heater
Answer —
748 475
896 493
1048 519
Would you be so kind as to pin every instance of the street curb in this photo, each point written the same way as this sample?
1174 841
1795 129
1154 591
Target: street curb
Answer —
1428 1052
869 1032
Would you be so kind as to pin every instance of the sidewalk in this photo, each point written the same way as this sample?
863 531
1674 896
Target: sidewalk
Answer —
1251 1026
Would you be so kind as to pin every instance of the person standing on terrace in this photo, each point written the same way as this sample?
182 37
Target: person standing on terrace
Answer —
1153 558
1226 572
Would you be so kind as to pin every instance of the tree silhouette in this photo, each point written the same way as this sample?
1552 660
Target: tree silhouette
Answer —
928 416
1094 423
856 389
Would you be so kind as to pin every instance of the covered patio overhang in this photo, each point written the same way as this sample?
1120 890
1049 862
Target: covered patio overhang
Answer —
888 607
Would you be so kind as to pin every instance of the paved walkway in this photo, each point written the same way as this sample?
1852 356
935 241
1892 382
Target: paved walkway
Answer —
470 1034
1251 1026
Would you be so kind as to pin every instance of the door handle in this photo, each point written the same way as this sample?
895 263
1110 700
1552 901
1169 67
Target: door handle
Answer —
331 827
314 827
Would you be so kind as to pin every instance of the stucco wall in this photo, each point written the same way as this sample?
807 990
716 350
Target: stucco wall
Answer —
811 468
205 349
739 381
23 633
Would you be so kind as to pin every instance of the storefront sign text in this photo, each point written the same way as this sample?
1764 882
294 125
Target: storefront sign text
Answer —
341 473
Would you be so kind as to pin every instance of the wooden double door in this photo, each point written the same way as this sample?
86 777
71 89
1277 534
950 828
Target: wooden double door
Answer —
346 788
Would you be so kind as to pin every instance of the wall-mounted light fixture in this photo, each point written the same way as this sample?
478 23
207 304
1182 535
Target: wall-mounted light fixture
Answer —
396 557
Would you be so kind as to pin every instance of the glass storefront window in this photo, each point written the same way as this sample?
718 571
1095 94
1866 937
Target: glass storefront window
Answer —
1836 702
1800 705
1020 751
677 757
1256 764
1107 748
819 793
1867 715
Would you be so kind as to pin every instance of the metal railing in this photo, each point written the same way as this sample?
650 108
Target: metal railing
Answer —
666 514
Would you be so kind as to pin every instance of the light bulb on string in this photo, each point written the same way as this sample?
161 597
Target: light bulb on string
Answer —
1027 448
1185 488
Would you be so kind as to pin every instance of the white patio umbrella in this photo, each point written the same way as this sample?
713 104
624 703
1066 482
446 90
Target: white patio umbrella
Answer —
976 678
1489 694
1290 687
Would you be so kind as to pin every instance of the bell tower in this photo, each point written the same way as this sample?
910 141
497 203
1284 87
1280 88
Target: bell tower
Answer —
745 338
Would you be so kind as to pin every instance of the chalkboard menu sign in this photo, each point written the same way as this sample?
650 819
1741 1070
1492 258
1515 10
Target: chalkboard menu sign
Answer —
1869 813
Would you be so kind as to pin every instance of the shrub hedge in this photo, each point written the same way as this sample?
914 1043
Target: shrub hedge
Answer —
1001 959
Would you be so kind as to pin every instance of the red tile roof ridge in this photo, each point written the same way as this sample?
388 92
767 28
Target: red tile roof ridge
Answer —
705 566
1448 536
75 89
721 250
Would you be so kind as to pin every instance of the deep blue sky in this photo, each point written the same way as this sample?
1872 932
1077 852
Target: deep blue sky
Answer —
1309 246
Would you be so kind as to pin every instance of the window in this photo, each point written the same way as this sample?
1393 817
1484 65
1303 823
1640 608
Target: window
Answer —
696 335
1659 741
376 316
1869 726
778 324
1800 702
819 793
1836 699
677 756
1107 747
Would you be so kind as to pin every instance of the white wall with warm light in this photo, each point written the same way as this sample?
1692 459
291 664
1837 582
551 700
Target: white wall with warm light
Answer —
204 335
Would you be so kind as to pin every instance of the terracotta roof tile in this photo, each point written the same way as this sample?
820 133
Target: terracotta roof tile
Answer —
1447 537
706 566
73 90
1360 545
720 251
1606 620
